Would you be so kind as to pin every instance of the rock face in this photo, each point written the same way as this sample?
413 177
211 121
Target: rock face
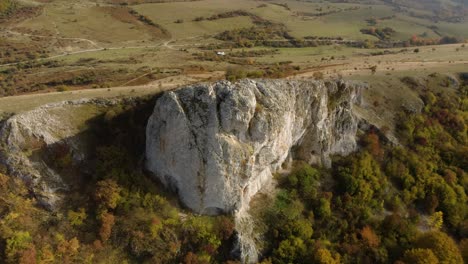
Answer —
218 144
34 141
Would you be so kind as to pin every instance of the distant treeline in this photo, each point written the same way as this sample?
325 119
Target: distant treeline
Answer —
148 21
441 11
229 14
136 2
325 13
418 41
382 34
256 20
277 36
265 33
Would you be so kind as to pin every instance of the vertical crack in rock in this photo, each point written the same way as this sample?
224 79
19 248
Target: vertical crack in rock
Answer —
230 138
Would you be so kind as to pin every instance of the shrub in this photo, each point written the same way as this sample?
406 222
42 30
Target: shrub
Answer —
77 218
318 75
62 88
235 73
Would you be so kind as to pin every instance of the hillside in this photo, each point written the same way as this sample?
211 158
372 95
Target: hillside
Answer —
393 200
246 131
61 45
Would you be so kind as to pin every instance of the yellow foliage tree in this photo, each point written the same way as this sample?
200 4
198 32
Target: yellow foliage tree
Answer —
436 220
443 246
420 256
324 256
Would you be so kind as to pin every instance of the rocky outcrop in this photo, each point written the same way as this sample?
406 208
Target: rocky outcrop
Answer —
218 144
33 142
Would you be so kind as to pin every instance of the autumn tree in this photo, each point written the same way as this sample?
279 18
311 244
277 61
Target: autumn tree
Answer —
15 245
107 193
67 249
324 256
436 220
420 256
28 256
76 218
442 245
464 249
372 143
369 237
107 222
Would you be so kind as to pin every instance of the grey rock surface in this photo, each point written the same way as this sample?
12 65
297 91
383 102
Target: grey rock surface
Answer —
218 144
27 140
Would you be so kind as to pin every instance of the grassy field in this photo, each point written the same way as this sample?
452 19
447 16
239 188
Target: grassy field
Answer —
167 13
109 25
93 44
346 20
61 50
89 22
22 103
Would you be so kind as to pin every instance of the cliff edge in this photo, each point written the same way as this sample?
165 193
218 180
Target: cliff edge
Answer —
218 144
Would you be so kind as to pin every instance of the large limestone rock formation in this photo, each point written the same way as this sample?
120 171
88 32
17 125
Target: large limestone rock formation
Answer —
218 144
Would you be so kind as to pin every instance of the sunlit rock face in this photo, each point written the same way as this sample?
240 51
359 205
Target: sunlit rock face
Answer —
218 144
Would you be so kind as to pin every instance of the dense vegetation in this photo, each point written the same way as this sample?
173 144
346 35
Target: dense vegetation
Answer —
384 204
267 35
117 214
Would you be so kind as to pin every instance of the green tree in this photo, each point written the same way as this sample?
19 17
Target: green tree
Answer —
323 210
20 241
202 233
77 218
304 178
361 178
291 250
